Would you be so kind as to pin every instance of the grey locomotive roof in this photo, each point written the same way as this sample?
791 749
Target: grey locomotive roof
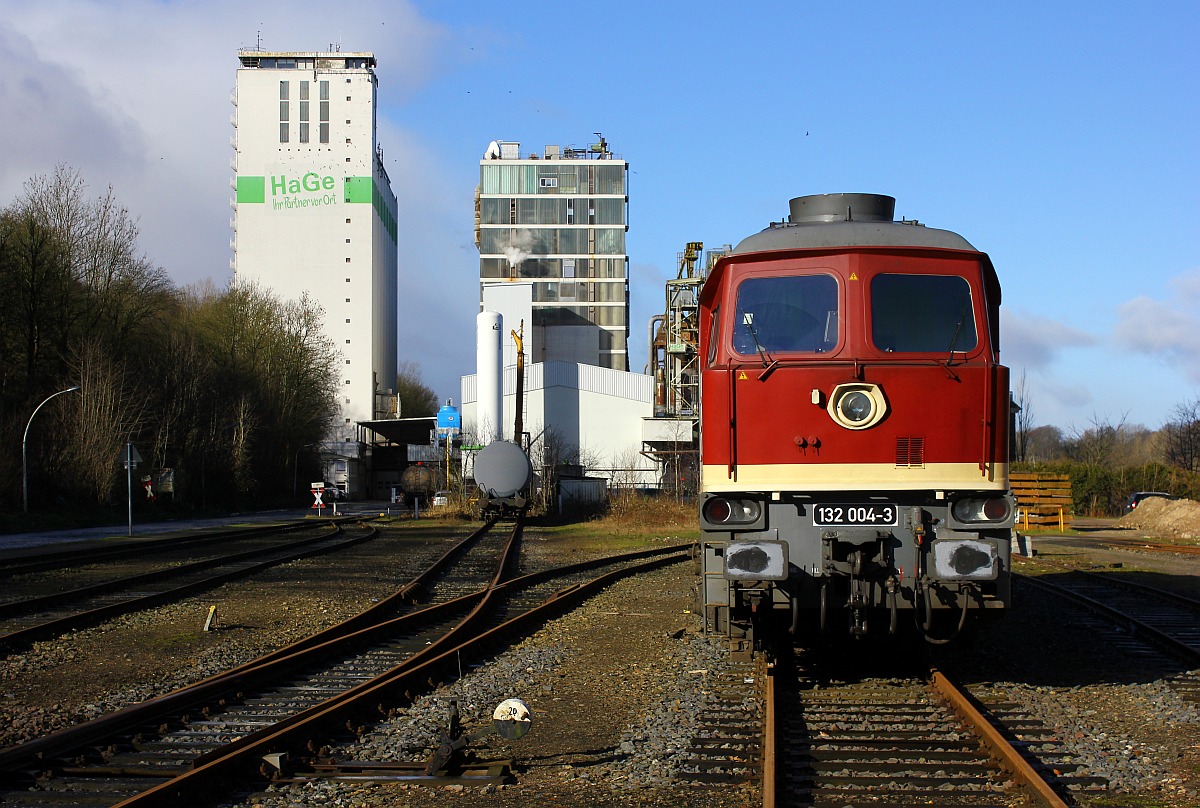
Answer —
847 220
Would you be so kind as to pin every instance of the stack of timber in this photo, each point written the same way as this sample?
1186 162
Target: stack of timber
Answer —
1044 500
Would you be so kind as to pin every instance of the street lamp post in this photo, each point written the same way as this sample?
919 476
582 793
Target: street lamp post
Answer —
24 438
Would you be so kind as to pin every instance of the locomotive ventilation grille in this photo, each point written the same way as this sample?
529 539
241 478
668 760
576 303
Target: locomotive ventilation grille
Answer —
910 452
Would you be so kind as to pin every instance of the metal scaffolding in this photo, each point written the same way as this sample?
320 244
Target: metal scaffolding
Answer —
670 437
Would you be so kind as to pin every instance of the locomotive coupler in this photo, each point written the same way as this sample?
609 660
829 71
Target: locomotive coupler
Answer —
859 601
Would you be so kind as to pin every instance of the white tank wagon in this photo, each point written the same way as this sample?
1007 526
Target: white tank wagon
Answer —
503 473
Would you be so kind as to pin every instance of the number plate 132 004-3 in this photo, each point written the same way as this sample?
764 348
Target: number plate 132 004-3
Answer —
874 515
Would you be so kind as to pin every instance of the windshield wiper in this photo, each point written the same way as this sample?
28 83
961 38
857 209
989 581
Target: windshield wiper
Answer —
954 340
958 328
748 321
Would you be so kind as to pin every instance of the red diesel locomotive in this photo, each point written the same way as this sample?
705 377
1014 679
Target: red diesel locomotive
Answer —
854 438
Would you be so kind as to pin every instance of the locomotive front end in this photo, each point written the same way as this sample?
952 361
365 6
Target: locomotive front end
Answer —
855 428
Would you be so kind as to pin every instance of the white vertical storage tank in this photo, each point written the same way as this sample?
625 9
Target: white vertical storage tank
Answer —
489 347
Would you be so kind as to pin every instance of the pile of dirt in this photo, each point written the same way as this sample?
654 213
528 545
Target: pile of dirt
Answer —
1166 517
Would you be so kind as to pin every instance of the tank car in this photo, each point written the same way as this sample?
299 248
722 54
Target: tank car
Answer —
854 430
420 482
502 472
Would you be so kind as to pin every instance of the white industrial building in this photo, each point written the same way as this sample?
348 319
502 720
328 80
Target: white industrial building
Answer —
590 415
314 213
592 412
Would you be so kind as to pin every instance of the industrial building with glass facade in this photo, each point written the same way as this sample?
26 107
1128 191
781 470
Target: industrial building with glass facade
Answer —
558 221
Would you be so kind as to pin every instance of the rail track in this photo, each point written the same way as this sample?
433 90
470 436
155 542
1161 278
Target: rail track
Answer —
1128 544
25 620
906 737
23 561
1149 546
1153 622
287 705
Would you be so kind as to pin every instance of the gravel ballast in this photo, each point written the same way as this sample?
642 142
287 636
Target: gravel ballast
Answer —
612 686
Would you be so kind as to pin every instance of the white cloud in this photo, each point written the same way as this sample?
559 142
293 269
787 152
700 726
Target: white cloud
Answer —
54 117
1035 341
1166 330
136 94
1187 286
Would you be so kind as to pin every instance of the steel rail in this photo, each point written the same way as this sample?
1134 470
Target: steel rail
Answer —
21 562
477 601
90 617
1174 645
274 664
1134 544
1110 579
212 776
770 777
1133 586
14 608
999 748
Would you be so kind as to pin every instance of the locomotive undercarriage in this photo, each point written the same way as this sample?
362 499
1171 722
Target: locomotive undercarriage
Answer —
928 571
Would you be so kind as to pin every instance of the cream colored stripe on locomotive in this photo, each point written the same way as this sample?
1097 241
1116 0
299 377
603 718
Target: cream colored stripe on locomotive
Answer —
854 476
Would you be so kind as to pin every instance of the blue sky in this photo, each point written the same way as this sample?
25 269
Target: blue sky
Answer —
1060 138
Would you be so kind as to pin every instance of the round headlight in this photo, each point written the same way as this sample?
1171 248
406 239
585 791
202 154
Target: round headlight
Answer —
856 406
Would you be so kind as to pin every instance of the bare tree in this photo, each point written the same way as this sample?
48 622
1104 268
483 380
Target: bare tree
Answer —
275 368
1045 444
625 473
416 399
1180 436
99 237
109 412
222 385
1023 420
1098 445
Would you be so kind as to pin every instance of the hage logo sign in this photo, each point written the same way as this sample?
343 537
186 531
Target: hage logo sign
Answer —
287 194
310 190
309 182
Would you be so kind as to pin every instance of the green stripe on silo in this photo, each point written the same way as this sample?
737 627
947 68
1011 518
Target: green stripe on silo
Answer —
359 189
251 190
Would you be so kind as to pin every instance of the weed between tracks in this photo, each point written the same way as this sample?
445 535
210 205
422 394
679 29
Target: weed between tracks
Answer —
630 520
636 515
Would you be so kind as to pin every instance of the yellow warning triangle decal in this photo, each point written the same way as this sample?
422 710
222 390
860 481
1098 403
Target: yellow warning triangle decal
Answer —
853 276
742 375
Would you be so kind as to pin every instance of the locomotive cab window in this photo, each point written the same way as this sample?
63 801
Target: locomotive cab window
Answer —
713 333
796 313
922 314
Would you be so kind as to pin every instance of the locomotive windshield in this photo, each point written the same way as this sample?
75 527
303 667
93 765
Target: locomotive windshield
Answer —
922 314
795 313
